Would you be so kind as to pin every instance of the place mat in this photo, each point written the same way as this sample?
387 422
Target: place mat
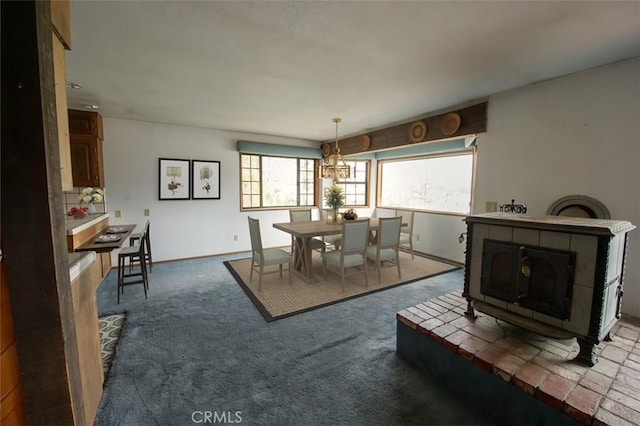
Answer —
116 230
107 239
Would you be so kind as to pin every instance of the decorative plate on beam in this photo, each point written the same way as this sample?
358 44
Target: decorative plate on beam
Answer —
450 124
365 142
418 131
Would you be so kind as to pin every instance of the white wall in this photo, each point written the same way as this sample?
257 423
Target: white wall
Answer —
182 228
579 134
575 135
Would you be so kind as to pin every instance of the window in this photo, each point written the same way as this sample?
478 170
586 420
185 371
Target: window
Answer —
356 188
441 183
268 182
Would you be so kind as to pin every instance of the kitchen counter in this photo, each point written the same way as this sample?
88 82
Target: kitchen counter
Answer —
75 226
79 261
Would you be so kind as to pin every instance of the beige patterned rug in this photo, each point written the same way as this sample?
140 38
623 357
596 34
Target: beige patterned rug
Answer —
279 299
110 328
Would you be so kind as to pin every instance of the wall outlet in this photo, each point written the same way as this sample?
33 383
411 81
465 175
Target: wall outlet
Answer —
118 213
491 206
235 238
146 212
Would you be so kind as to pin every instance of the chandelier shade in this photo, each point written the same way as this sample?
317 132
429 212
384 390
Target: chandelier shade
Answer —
334 167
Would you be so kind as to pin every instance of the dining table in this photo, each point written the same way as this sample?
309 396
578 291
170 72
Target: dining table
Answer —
303 232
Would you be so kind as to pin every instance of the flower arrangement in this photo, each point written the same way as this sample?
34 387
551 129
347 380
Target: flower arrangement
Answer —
91 195
334 197
350 214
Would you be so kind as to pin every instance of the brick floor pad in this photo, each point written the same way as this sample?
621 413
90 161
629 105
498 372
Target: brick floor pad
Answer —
605 394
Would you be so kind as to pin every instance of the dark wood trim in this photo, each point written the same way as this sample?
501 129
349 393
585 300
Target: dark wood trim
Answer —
473 120
33 230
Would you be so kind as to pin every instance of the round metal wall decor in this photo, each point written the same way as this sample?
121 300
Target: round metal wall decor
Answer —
326 149
450 123
418 131
365 142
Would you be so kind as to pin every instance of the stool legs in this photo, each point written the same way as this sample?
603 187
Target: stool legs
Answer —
132 255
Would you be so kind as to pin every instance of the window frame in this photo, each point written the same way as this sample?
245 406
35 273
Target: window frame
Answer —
316 183
474 158
366 183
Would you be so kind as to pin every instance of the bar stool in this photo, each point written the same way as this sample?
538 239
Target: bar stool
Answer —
133 238
134 253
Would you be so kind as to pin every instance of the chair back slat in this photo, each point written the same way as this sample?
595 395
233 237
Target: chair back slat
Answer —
389 233
300 215
254 231
355 235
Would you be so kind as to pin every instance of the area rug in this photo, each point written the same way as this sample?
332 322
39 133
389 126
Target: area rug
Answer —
110 328
279 299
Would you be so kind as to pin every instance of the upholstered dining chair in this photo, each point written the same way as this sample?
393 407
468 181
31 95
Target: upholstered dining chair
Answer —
305 216
386 247
352 252
406 233
330 240
262 257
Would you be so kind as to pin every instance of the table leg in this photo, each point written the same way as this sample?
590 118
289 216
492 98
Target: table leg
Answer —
302 259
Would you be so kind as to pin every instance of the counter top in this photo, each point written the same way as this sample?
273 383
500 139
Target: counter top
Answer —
79 261
75 226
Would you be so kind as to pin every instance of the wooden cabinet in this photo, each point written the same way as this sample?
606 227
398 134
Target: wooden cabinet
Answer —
85 128
85 123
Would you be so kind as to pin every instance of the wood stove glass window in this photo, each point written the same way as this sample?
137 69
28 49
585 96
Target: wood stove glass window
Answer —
537 278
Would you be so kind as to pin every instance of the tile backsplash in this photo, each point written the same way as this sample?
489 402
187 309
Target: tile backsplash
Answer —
71 200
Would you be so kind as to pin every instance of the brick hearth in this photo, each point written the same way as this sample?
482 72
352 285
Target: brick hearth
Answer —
605 394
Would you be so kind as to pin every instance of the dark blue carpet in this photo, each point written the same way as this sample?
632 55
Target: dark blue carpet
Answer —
197 347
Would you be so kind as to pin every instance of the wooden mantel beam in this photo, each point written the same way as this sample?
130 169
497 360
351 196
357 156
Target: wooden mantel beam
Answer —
472 120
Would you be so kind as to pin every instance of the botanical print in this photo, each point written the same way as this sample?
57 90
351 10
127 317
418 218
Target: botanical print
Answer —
205 179
174 179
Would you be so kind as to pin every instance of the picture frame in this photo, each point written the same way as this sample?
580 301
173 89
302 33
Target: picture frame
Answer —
205 180
174 179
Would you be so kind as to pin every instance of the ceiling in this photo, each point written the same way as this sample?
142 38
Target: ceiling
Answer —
286 68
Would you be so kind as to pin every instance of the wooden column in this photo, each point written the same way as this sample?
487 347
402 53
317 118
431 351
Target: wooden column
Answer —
32 215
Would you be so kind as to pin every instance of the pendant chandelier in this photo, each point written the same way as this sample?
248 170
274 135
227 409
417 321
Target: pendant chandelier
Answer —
334 166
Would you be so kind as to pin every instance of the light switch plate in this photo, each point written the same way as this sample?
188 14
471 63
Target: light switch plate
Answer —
146 212
118 213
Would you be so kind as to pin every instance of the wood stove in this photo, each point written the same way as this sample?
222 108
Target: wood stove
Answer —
561 277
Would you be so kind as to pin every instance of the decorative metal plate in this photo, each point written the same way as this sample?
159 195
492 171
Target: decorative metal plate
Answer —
326 150
365 142
418 131
450 123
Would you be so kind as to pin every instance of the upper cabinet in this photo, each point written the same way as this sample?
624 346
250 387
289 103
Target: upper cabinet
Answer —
85 133
85 123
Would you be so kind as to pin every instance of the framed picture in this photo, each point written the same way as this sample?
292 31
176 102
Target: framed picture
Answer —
205 180
174 179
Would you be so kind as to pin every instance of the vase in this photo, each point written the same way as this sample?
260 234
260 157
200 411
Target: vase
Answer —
335 215
92 208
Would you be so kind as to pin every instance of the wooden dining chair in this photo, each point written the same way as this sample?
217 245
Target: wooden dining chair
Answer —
388 241
406 232
262 257
352 253
305 216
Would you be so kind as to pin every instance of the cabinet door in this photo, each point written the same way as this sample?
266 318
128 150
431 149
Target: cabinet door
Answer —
85 123
86 159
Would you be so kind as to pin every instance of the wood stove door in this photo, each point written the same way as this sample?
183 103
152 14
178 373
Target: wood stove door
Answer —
546 280
500 270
